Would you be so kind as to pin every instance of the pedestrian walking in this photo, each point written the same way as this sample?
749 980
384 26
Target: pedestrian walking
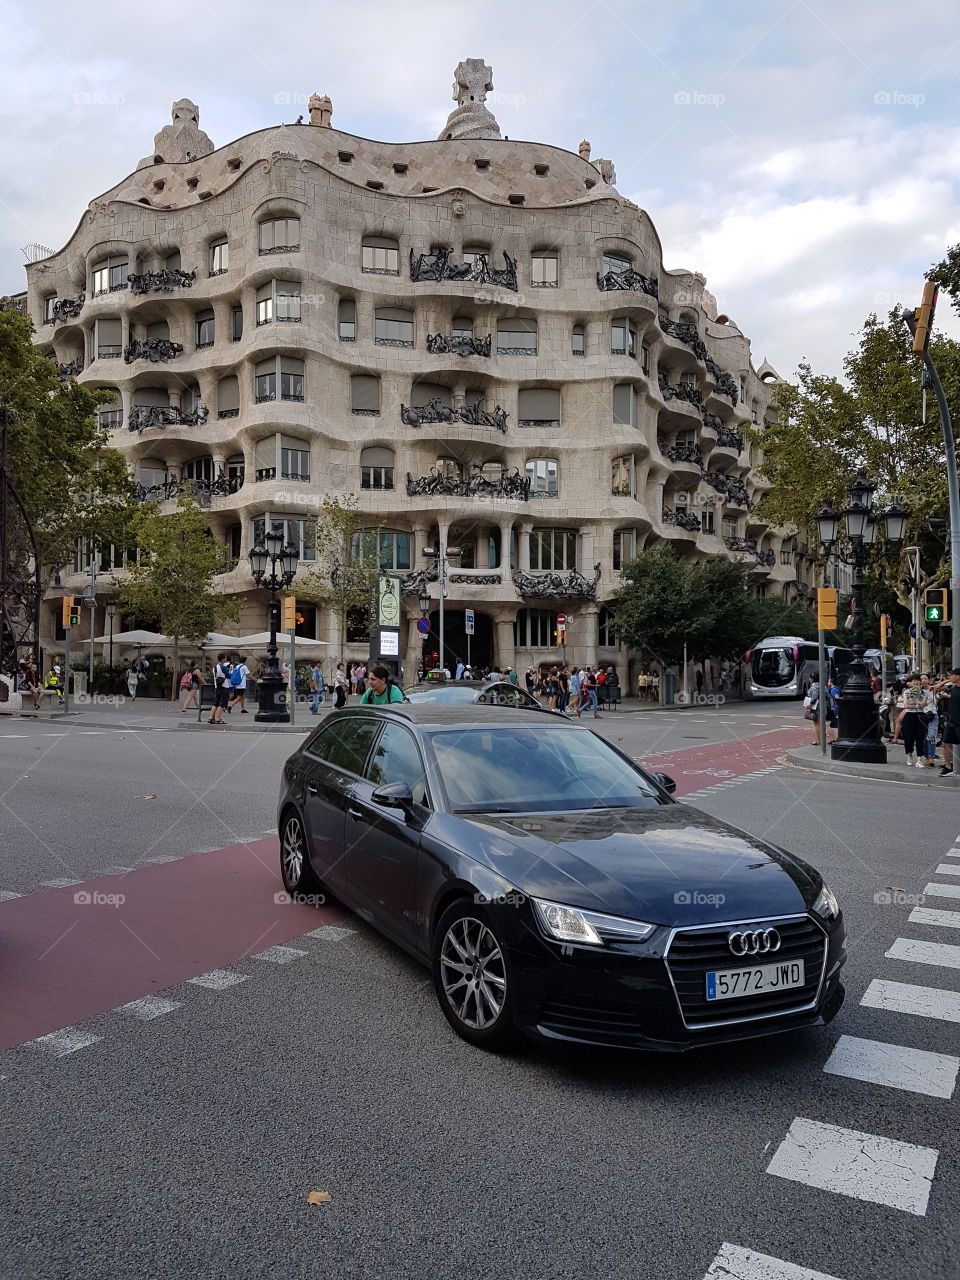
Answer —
461 668
573 685
221 697
340 687
382 689
238 685
951 723
133 676
699 680
588 695
316 688
913 705
190 683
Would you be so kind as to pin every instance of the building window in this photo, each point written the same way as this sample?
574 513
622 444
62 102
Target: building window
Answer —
553 549
424 393
614 263
391 546
516 337
199 469
302 532
578 341
204 325
294 459
625 404
393 327
462 327
687 436
219 257
109 339
545 271
49 302
376 468
347 320
729 527
538 407
109 275
754 411
645 359
708 520
624 547
544 476
606 637
534 629
472 253
228 397
279 234
110 416
365 394
289 373
380 256
623 339
278 300
623 476
236 323
743 390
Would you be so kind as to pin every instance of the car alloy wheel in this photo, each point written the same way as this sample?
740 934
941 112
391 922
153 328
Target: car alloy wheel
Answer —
472 977
295 866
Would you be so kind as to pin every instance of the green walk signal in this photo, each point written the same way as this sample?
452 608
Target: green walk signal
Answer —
934 613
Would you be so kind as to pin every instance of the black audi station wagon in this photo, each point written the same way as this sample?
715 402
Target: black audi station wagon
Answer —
555 888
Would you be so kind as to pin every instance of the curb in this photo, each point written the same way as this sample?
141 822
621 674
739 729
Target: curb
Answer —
899 774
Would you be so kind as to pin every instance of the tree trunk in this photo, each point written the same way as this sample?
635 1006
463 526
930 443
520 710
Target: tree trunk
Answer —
175 692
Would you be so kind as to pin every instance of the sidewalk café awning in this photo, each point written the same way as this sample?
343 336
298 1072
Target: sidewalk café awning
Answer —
139 638
217 640
260 639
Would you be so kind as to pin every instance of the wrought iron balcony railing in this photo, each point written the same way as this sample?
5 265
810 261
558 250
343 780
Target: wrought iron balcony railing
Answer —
725 383
685 391
144 416
203 489
611 281
436 411
156 350
727 438
438 266
571 585
681 519
733 489
458 344
67 308
161 281
683 453
685 332
437 484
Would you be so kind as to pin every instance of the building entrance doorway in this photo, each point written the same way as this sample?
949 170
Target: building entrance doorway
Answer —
455 641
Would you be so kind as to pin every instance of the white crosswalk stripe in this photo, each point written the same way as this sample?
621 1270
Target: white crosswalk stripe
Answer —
736 1263
66 1040
149 1007
930 915
948 869
939 953
218 979
279 955
941 891
330 933
905 997
895 1065
863 1166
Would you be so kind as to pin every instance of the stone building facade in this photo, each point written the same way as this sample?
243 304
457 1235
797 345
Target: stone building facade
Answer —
474 336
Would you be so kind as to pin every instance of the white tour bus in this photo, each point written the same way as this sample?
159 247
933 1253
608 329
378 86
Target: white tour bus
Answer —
784 666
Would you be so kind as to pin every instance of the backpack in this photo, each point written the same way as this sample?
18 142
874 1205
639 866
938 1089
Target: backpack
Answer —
186 680
236 677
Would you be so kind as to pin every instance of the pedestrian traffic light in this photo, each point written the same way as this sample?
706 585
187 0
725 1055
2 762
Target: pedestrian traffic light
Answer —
923 319
826 608
290 613
884 629
936 604
71 612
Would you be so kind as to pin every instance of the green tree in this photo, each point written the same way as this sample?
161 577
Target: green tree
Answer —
71 483
174 584
345 573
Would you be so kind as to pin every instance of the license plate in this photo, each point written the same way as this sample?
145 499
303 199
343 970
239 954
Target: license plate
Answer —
727 984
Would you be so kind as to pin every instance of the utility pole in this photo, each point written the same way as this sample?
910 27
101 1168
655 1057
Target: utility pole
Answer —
920 323
90 594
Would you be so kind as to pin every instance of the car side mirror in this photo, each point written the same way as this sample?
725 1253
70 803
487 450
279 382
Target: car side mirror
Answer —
666 782
395 795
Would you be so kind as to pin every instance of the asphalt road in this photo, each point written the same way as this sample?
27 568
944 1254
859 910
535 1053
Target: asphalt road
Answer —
185 1143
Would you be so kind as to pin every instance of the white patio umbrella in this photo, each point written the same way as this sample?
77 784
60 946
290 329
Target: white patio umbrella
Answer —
261 639
139 638
217 640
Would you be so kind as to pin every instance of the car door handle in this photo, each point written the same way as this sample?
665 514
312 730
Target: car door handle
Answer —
313 788
356 813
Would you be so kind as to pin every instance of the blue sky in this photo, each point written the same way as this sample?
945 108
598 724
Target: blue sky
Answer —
804 157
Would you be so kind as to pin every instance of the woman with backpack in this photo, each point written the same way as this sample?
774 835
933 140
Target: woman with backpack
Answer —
190 683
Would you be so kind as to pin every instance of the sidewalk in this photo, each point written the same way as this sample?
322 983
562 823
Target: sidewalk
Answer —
895 770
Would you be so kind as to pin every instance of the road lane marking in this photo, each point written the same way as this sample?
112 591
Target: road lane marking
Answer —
942 890
67 1040
149 1007
64 883
279 955
7 895
218 979
895 1065
736 1263
930 915
863 1166
905 997
948 869
939 953
330 933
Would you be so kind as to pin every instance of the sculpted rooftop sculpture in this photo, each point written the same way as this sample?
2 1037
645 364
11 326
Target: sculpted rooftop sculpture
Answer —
474 80
180 141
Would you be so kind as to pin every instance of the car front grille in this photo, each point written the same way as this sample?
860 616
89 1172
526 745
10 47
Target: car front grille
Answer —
592 1018
693 952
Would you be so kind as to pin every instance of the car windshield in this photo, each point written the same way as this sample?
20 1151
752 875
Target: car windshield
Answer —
519 770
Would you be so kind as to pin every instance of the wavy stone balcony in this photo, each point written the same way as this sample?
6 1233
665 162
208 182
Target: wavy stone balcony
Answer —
156 350
681 519
436 412
143 417
764 559
161 281
458 344
626 281
571 585
221 485
437 266
725 383
515 487
687 334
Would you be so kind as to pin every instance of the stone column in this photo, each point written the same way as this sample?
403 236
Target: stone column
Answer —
524 557
506 533
587 631
586 560
504 625
414 644
483 547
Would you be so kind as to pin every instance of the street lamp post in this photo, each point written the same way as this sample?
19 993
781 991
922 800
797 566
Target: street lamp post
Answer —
439 554
273 566
859 736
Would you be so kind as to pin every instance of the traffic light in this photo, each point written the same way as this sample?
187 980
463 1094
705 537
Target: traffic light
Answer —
923 319
290 613
826 608
936 604
71 612
884 629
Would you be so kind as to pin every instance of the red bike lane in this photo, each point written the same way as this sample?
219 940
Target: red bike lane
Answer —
69 954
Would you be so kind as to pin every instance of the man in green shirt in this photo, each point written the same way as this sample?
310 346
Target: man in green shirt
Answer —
379 688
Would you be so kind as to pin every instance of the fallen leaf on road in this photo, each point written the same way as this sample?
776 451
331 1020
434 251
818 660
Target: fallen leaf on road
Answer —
319 1197
896 888
148 797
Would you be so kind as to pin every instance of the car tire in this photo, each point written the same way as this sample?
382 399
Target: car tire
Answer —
481 1012
295 869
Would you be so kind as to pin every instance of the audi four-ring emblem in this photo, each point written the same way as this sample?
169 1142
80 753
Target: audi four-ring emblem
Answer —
753 942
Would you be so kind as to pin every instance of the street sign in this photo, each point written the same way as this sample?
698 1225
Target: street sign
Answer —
468 622
389 602
561 619
423 626
389 644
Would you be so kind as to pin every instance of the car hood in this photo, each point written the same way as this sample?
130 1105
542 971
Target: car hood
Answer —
671 865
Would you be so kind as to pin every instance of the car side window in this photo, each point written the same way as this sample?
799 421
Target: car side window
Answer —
396 758
346 743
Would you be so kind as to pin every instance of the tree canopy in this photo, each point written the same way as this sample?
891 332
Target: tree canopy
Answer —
347 566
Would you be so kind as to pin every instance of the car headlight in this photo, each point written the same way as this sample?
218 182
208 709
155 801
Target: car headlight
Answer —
826 904
572 924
